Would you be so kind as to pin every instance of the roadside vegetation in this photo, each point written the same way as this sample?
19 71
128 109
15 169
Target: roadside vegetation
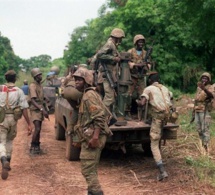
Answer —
187 147
181 32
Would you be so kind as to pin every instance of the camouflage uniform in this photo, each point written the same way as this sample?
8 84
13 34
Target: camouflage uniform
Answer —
106 55
136 89
155 94
91 115
202 111
8 128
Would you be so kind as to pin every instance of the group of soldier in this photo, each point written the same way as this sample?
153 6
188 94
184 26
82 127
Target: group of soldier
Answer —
156 95
93 111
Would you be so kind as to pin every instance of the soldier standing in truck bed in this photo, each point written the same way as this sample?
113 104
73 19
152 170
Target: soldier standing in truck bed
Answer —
110 56
138 69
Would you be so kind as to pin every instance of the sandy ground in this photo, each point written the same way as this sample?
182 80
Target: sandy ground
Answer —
132 174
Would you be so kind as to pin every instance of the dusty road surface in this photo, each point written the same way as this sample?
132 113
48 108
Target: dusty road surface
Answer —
133 174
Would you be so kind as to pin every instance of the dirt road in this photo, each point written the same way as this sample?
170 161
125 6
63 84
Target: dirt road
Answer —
133 174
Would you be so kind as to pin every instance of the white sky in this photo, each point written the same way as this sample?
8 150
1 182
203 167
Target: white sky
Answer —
37 27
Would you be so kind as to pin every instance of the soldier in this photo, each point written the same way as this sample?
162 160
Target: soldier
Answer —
202 107
25 87
37 108
52 77
138 69
159 100
109 56
92 129
12 104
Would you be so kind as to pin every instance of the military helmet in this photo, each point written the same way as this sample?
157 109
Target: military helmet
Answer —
86 74
71 93
206 74
35 72
118 33
55 69
137 38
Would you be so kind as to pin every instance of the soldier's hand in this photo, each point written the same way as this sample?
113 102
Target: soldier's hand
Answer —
116 59
201 85
29 130
46 115
93 143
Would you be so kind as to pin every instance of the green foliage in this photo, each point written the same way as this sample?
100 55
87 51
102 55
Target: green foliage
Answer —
182 42
8 60
204 168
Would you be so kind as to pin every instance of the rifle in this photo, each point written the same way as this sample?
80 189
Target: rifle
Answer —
146 59
193 113
108 76
96 67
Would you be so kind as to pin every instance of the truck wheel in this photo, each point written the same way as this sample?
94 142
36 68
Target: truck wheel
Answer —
72 152
147 149
59 132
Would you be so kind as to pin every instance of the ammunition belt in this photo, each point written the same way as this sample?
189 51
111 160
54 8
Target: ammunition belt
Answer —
9 111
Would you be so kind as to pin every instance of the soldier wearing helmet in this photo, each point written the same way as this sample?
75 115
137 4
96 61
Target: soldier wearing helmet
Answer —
110 56
202 107
91 127
37 109
138 69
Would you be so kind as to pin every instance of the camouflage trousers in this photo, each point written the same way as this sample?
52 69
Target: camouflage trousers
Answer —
109 98
8 131
90 158
136 89
155 136
202 121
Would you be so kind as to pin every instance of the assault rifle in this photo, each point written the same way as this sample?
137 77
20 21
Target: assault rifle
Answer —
96 67
108 76
148 54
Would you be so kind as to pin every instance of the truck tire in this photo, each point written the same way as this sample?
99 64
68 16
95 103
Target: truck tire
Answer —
72 152
147 149
59 132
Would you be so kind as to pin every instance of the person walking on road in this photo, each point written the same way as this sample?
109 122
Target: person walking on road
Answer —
159 99
202 107
37 109
92 129
13 104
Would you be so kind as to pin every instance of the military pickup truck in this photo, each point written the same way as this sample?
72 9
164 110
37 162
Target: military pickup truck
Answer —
129 132
134 132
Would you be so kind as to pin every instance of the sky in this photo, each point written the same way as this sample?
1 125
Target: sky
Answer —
37 27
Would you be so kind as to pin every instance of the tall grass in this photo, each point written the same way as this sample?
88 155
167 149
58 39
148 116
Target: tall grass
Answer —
204 165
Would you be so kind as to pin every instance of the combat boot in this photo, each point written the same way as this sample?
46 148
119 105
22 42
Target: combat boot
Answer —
205 146
95 193
9 159
37 149
163 174
5 167
128 116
